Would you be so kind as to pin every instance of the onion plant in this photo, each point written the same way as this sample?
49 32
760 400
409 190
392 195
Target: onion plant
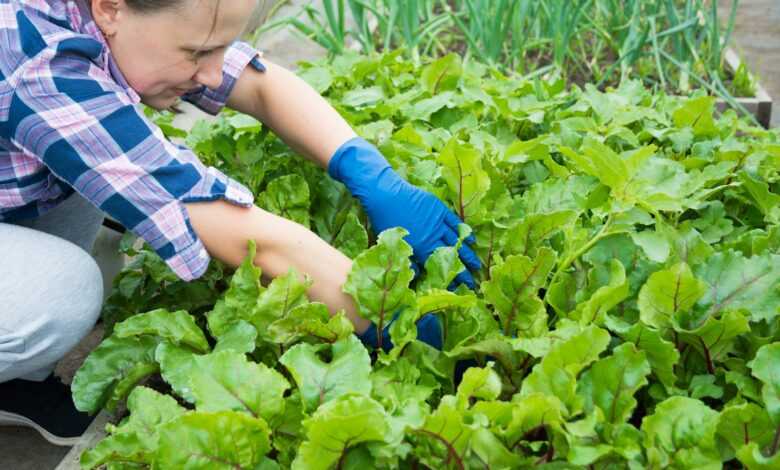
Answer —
672 45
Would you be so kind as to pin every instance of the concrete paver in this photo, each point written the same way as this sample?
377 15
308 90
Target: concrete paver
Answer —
757 38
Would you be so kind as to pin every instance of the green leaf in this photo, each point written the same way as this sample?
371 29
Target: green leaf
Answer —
467 181
745 423
611 383
715 338
442 74
437 300
446 434
320 78
312 319
240 297
655 245
380 277
441 268
115 359
667 293
136 439
766 368
530 232
337 426
283 295
697 113
556 374
606 297
240 338
735 282
223 440
361 97
288 197
767 201
177 366
660 353
530 412
752 457
177 327
319 381
227 381
483 383
513 290
352 239
612 169
681 434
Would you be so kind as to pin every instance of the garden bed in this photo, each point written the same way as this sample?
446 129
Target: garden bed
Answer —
760 106
589 207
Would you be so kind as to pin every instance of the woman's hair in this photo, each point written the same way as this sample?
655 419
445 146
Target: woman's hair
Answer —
150 6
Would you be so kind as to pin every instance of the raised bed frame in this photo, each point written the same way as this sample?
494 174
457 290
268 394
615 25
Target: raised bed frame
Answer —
760 106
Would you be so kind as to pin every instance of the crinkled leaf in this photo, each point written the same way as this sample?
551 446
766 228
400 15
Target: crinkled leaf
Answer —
766 368
605 298
681 433
736 282
240 297
556 374
283 295
744 424
660 353
320 381
667 293
442 74
223 440
337 426
227 381
176 327
513 290
136 439
241 337
466 180
380 277
610 383
528 234
312 319
112 361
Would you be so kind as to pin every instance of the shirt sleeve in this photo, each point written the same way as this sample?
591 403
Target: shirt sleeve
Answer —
237 57
85 128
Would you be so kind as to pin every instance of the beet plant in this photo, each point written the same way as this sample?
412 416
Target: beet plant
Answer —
626 315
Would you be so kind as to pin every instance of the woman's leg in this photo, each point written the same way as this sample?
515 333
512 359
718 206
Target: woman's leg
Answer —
51 290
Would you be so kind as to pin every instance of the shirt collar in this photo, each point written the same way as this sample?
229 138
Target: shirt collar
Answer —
80 17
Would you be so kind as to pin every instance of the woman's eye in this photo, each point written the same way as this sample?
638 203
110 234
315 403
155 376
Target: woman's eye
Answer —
197 55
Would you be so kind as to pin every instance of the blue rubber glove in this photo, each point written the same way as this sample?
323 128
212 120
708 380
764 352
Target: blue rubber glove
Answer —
428 331
390 201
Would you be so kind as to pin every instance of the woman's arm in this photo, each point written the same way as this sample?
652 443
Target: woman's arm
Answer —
282 244
293 110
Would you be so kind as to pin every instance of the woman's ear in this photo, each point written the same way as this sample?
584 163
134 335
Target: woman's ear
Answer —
107 15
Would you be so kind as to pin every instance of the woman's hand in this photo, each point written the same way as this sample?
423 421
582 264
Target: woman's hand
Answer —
390 201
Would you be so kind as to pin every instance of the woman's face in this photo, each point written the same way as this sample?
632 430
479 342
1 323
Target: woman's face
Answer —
164 54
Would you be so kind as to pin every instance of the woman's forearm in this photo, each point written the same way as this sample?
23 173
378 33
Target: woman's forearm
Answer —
225 230
293 110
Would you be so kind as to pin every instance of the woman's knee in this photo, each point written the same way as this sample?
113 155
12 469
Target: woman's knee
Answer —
54 295
81 298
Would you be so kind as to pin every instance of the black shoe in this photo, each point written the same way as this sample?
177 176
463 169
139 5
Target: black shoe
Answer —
44 406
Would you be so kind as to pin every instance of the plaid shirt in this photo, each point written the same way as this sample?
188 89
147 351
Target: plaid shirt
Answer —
69 121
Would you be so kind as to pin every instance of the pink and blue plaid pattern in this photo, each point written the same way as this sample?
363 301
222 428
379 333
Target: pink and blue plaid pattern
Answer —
69 121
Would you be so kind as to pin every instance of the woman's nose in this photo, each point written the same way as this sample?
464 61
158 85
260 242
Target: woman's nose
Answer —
209 72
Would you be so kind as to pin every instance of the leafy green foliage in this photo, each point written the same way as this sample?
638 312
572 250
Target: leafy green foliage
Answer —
626 315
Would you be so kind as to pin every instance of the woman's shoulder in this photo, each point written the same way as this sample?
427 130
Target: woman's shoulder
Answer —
30 27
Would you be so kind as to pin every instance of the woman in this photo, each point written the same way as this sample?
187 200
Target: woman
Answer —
75 145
